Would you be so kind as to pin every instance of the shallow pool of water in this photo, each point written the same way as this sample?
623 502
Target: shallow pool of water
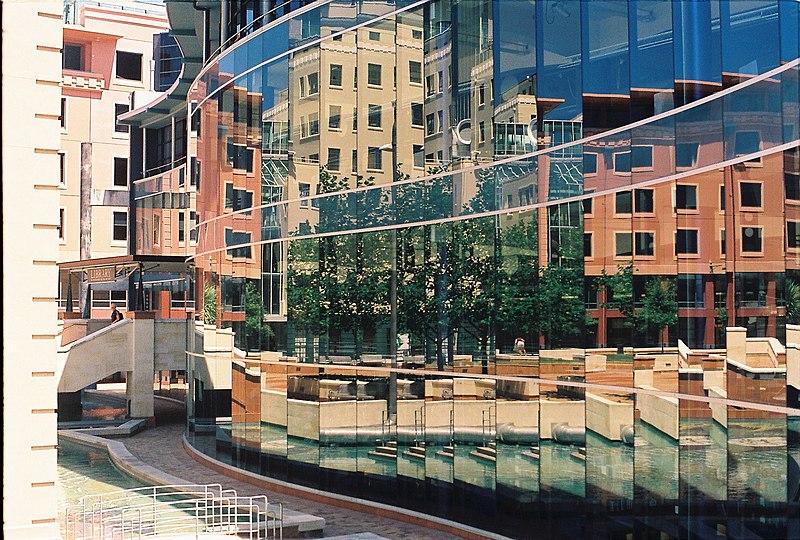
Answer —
83 470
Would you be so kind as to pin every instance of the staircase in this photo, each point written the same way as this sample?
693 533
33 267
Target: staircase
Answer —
533 453
387 451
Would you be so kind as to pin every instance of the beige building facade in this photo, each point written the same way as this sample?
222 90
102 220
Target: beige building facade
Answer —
108 55
31 91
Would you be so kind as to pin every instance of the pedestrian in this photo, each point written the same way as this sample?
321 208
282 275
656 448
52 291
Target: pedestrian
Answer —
115 315
519 346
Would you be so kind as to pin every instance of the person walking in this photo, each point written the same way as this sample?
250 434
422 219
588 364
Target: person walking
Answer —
115 315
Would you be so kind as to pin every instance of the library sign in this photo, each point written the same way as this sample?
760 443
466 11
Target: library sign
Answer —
102 275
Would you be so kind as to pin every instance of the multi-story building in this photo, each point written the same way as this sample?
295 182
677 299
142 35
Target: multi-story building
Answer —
614 182
108 56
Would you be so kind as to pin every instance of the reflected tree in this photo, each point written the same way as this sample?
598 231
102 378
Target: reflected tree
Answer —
659 307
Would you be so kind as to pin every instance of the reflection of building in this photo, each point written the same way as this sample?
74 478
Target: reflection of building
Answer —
519 212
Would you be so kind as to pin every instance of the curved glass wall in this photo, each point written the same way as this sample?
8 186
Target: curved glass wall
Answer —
493 260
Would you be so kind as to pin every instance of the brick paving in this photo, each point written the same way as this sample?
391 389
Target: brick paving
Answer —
162 447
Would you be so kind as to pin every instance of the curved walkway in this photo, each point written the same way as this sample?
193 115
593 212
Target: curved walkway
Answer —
162 448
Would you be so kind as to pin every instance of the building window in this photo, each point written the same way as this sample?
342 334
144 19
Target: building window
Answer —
430 124
238 239
313 84
722 197
354 160
336 75
441 82
333 158
62 160
374 116
645 243
791 183
63 116
793 234
750 193
430 83
61 218
72 57
686 155
589 163
622 202
129 66
374 36
642 157
751 240
482 95
419 156
722 245
685 197
120 232
587 244
416 115
302 81
689 289
374 159
415 72
644 201
355 118
120 108
335 117
304 191
181 227
622 162
587 206
194 220
481 132
686 242
313 124
416 34
120 171
622 242
237 199
440 117
374 74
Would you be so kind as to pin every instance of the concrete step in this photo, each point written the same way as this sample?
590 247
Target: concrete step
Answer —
580 454
415 452
446 452
485 456
531 455
487 451
387 449
382 454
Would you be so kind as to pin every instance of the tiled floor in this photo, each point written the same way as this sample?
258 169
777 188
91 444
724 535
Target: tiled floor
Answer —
162 448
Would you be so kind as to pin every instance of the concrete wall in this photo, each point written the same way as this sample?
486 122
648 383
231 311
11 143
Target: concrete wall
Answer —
660 412
606 417
170 344
560 411
31 75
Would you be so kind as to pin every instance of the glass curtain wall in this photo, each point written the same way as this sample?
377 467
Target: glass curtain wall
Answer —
499 261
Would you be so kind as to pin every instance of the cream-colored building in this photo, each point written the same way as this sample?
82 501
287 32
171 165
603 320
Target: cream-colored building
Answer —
108 54
31 90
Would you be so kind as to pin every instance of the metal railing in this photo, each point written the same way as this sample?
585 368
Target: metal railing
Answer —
173 510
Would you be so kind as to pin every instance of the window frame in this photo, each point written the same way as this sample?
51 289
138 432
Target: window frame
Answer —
743 235
651 255
118 56
617 236
749 208
679 210
688 254
370 72
115 225
116 159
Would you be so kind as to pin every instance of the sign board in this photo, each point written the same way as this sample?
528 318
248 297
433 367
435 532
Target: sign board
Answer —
101 275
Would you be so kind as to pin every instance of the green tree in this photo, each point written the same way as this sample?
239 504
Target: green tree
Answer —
659 306
792 302
257 332
209 305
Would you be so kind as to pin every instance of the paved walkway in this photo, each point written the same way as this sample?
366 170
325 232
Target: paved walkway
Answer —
162 447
